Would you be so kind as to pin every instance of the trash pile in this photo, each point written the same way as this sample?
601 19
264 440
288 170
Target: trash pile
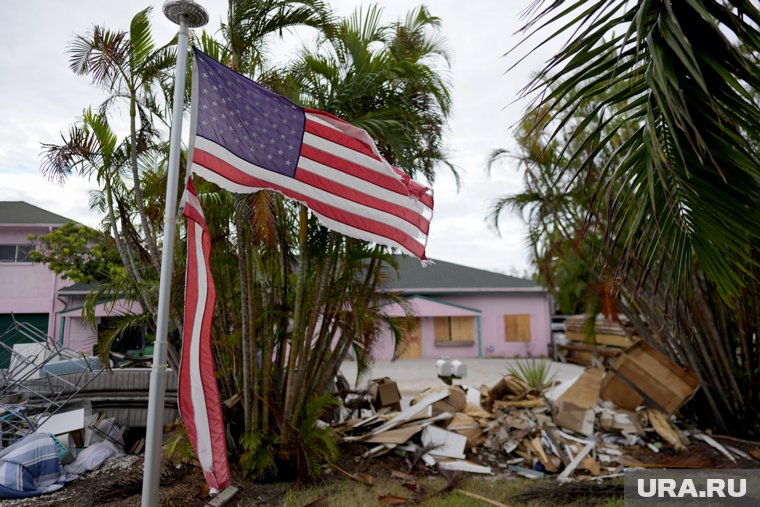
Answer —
583 429
610 339
64 446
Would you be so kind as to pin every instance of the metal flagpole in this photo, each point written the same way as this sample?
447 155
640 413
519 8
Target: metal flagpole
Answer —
187 14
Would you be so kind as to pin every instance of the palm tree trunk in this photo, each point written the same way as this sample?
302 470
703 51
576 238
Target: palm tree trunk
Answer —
137 188
297 335
244 314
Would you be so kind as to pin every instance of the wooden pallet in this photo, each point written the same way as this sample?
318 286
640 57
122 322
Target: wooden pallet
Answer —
610 339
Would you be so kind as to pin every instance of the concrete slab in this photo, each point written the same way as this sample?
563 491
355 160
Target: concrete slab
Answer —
415 375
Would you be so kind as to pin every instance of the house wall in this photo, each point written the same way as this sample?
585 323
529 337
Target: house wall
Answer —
493 307
27 287
78 335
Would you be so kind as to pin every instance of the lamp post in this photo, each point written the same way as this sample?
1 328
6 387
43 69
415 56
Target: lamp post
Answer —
187 14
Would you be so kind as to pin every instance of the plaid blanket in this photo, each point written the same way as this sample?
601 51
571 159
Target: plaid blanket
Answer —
30 467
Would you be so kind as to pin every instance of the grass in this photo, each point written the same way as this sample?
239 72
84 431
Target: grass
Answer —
348 493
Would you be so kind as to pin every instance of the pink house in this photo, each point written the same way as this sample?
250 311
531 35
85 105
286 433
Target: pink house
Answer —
34 294
458 311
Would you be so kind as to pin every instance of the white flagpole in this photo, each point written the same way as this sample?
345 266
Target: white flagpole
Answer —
187 14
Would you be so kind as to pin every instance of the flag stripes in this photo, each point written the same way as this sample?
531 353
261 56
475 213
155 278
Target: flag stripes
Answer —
248 139
244 177
197 390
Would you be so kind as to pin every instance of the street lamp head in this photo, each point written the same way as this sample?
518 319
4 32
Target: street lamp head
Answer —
185 10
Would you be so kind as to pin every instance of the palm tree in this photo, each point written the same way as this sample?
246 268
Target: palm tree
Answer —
91 148
390 80
650 113
307 295
684 73
129 67
249 28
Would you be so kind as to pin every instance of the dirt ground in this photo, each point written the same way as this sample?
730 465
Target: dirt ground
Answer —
119 482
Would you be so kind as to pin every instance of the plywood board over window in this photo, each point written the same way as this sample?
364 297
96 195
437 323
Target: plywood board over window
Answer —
454 329
412 345
517 328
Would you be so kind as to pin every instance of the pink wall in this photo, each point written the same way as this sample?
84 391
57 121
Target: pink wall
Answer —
493 307
27 287
78 335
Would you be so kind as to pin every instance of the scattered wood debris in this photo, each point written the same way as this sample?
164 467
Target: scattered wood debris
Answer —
585 431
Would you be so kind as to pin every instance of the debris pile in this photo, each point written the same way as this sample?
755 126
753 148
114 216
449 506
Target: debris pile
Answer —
610 339
63 447
591 427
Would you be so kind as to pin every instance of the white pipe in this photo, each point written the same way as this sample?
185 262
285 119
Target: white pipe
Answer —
154 430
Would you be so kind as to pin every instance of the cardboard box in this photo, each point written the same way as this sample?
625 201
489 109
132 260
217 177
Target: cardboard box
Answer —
385 393
615 389
656 377
455 402
574 418
623 421
574 410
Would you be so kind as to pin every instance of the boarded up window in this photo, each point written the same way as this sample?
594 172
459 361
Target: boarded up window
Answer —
517 328
454 328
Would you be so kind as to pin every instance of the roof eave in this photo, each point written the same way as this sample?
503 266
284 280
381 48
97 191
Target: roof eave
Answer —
450 290
34 224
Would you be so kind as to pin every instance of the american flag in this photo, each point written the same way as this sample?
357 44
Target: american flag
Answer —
198 394
248 138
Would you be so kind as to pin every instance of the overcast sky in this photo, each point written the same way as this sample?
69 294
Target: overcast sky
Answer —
40 97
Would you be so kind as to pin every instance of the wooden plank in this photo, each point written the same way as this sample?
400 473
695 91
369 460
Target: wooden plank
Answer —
569 469
462 328
517 328
481 498
614 340
656 376
602 339
442 329
395 436
224 496
413 343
